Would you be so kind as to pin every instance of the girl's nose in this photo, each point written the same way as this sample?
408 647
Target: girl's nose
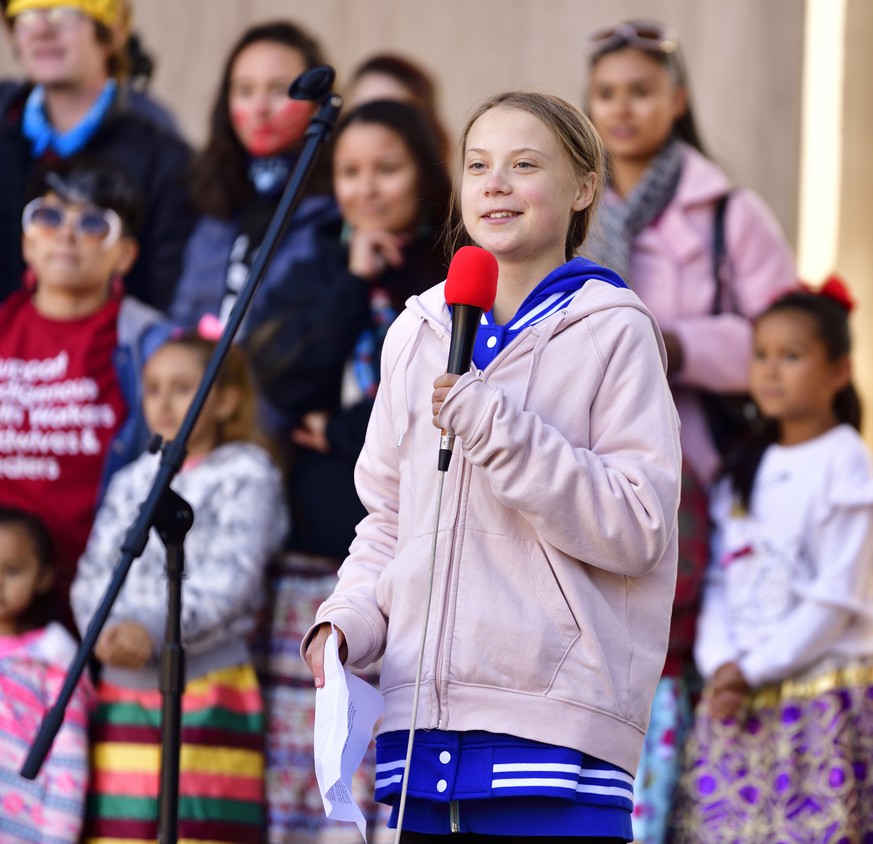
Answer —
67 229
621 103
368 184
496 182
261 104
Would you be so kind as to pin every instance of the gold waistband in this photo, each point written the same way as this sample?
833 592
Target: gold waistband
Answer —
814 683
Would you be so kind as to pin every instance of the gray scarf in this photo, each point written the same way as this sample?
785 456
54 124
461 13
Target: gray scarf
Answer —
619 222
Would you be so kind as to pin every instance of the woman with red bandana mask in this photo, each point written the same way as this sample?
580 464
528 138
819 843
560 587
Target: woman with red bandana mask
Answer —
255 137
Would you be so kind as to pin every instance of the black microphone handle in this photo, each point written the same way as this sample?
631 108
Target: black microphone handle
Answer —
465 325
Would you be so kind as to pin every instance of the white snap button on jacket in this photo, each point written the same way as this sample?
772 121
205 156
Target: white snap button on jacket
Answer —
492 342
445 757
442 785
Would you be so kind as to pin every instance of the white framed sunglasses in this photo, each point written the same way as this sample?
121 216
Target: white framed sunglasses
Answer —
57 17
90 224
645 35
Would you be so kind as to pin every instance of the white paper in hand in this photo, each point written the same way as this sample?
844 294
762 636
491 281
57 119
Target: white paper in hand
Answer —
346 710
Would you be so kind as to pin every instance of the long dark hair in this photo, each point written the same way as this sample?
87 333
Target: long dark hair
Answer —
831 321
219 176
412 126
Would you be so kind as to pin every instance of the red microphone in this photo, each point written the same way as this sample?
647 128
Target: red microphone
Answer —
471 287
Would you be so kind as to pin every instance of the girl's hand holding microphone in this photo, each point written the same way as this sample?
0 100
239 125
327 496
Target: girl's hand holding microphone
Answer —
441 388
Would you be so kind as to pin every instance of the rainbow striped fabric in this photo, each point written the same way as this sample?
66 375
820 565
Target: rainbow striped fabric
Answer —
221 791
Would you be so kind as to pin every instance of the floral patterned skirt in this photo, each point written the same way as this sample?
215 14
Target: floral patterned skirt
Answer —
796 766
655 782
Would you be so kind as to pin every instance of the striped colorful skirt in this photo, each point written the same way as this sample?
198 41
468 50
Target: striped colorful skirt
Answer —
221 787
796 766
299 583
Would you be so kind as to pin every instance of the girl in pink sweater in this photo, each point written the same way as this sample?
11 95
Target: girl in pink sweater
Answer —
34 657
555 555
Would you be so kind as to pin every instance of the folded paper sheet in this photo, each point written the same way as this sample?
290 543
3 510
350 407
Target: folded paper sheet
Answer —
346 710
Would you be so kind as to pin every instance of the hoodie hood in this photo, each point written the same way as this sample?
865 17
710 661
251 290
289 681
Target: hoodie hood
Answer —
552 294
563 284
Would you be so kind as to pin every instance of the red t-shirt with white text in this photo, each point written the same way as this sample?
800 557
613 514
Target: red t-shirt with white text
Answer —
60 407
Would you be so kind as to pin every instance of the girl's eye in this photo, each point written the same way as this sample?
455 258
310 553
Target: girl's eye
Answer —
525 165
476 165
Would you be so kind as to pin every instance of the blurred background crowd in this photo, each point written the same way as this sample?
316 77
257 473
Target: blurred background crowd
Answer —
154 139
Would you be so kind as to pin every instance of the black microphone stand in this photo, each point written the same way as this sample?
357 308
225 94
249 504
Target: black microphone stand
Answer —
172 515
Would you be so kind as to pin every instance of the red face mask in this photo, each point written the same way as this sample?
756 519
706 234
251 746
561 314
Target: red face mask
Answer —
268 134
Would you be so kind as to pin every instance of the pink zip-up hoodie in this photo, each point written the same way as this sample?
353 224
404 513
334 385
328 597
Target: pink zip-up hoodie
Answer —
671 268
556 549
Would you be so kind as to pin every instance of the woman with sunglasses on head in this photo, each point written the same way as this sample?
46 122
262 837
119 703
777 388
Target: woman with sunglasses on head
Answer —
658 225
71 349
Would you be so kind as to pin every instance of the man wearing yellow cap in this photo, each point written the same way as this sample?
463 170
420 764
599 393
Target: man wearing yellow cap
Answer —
73 53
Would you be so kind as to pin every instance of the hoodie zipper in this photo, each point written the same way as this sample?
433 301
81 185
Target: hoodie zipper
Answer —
455 816
438 670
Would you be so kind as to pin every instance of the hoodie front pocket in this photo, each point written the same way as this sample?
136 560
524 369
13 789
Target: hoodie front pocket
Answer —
512 626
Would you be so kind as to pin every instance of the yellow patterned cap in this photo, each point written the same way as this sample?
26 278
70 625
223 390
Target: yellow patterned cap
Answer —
107 12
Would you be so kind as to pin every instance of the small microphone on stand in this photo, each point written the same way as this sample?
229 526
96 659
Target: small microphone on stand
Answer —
471 287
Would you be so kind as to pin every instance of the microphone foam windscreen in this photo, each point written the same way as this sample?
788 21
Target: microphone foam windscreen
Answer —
472 278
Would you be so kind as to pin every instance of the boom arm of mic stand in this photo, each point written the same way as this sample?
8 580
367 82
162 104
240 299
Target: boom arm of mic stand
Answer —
173 456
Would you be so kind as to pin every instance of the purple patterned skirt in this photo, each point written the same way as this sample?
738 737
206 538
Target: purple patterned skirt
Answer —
796 766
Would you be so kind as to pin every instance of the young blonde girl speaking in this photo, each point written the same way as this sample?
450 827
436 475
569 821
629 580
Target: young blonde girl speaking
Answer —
556 551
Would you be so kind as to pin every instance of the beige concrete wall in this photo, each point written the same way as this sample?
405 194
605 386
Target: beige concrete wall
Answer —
744 57
855 244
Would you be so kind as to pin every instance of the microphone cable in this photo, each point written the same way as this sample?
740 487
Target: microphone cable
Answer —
405 783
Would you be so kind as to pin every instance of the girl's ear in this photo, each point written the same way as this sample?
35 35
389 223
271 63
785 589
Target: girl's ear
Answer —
680 102
585 194
842 373
45 581
128 250
227 403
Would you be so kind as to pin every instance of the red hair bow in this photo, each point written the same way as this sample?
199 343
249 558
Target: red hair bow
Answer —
837 289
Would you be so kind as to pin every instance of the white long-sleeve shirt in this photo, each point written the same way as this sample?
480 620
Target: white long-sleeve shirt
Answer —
791 581
240 520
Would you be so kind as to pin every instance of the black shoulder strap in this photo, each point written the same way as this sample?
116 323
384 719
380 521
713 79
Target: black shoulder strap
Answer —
719 254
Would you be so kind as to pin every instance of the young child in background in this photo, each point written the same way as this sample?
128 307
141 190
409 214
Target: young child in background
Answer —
34 655
240 520
72 346
783 738
555 558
